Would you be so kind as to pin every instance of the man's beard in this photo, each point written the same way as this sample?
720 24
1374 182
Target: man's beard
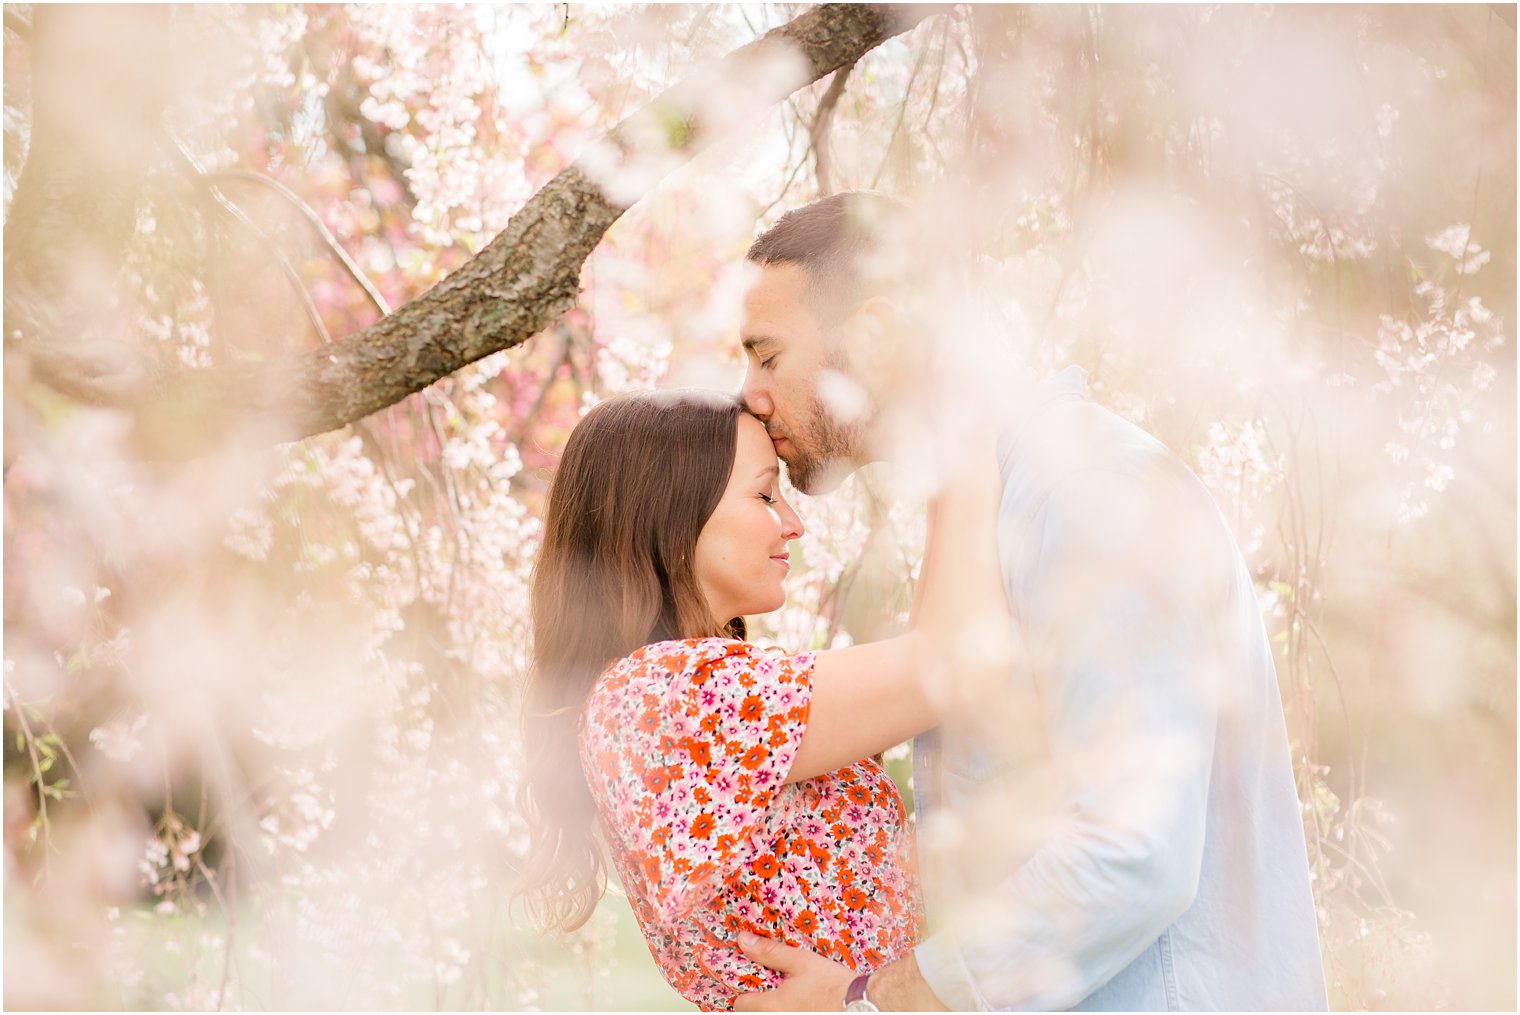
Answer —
819 459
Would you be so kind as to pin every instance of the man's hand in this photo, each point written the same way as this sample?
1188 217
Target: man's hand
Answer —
813 983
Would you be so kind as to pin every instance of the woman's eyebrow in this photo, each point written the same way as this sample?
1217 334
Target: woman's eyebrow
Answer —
770 470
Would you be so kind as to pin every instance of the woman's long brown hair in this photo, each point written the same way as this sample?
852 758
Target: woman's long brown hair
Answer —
639 478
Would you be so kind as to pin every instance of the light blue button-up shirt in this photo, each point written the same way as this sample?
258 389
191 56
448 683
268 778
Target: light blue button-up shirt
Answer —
1118 829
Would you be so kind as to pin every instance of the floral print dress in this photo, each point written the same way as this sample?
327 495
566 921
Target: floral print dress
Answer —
686 746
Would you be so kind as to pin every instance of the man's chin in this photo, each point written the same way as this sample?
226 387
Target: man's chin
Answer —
818 478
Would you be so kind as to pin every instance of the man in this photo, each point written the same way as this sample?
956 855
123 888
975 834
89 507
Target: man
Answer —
1117 826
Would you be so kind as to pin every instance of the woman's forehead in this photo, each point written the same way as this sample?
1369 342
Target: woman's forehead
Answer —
754 450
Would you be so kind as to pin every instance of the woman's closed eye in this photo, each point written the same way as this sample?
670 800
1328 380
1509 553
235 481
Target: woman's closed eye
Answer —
769 499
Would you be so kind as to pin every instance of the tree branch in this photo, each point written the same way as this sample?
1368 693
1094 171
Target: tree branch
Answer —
519 284
15 22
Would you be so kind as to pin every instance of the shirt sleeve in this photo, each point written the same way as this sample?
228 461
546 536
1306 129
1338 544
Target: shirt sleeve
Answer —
1119 599
692 756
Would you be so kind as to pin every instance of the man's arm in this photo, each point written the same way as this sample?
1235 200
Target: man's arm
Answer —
1121 620
1121 604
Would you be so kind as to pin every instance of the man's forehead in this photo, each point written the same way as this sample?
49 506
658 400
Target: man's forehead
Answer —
782 283
775 306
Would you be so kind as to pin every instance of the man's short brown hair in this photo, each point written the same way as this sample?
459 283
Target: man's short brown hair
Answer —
837 241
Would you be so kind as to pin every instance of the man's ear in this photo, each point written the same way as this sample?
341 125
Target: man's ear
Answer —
873 340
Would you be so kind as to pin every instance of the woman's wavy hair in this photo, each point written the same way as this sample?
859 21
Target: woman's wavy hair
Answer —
640 476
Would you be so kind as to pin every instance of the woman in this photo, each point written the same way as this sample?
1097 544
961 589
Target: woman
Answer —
732 785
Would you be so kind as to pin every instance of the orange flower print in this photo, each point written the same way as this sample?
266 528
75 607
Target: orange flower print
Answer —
751 709
680 749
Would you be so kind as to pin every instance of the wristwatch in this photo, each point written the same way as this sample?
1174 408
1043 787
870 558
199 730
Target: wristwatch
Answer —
855 998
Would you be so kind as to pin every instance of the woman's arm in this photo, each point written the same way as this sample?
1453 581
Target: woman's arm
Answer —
869 697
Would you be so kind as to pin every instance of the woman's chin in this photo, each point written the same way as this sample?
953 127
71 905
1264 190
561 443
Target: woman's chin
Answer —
770 605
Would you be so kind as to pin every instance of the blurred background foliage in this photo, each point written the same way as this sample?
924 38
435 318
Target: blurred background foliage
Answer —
259 707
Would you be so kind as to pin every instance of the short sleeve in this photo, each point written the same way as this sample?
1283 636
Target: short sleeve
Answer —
687 746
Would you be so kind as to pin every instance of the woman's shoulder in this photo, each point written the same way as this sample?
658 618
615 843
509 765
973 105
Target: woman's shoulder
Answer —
699 656
696 671
667 658
654 667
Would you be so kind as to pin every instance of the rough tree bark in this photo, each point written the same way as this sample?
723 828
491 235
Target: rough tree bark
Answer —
514 288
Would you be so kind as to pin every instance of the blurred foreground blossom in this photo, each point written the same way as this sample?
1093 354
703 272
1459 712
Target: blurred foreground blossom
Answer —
261 706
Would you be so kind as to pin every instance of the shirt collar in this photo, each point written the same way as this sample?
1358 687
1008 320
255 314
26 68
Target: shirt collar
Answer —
1066 385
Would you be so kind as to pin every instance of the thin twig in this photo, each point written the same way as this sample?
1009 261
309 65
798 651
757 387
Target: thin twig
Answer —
561 360
310 215
31 749
818 134
231 914
902 116
313 315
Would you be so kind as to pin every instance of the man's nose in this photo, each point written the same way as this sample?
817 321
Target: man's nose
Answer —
756 399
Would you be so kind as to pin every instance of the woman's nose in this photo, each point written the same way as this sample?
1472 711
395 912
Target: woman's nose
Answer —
793 522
